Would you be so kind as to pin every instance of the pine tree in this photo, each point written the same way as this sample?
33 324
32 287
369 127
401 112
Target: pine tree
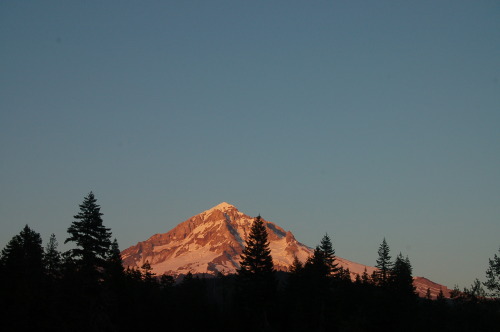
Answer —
86 281
296 266
440 296
52 258
328 255
22 257
316 266
256 260
256 277
322 262
147 275
295 277
475 291
455 293
365 278
428 295
321 273
400 277
22 306
188 278
114 264
134 275
493 276
384 264
344 274
92 239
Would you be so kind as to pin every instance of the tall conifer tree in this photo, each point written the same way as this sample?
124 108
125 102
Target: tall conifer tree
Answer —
256 277
22 257
296 266
21 286
296 274
329 255
114 264
92 239
322 262
400 278
493 276
384 264
52 258
365 278
316 266
256 258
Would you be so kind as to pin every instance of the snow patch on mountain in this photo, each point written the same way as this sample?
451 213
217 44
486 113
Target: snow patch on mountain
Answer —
223 207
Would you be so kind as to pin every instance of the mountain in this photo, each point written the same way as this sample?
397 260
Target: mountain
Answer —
213 241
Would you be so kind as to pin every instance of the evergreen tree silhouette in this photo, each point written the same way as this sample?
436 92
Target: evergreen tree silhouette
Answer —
22 257
21 287
85 269
365 278
92 239
428 295
256 261
321 273
52 258
256 275
316 265
476 291
328 255
384 264
440 296
296 266
147 275
295 278
400 278
114 264
493 276
322 262
455 293
343 274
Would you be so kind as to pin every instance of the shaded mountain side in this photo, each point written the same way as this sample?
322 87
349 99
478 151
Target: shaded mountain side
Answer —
213 241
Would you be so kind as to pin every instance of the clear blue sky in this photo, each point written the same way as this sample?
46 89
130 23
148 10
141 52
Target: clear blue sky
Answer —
362 119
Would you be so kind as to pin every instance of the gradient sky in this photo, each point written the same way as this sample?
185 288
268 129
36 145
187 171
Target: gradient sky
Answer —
362 119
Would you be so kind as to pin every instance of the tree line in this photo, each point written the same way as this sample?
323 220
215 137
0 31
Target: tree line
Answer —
87 288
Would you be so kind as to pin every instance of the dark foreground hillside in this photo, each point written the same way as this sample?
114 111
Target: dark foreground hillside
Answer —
88 289
137 302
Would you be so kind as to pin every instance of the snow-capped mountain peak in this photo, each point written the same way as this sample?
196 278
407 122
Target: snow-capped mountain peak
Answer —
224 206
213 241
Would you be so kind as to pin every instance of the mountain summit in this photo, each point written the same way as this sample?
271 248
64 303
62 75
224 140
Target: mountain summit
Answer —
224 206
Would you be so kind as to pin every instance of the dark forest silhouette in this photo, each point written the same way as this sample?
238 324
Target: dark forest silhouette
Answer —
88 289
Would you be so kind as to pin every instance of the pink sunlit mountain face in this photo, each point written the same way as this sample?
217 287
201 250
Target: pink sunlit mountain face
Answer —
213 241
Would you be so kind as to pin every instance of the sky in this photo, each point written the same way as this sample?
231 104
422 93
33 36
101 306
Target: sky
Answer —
362 119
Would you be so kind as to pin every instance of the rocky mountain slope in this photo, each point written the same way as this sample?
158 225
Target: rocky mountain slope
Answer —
213 240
